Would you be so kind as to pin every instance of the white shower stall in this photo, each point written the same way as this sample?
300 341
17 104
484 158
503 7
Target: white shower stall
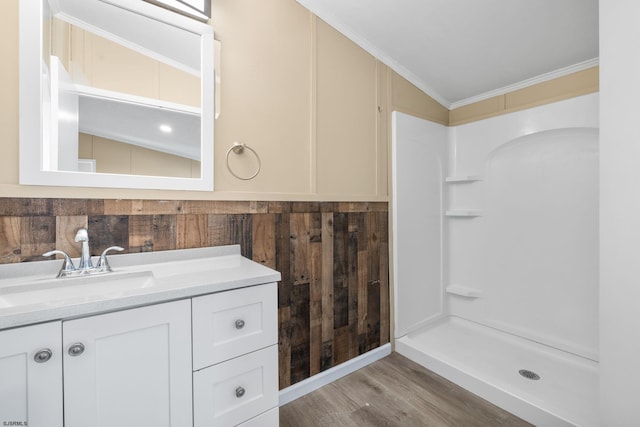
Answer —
495 242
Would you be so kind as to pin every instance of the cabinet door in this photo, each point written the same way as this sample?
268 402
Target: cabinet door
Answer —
31 376
130 368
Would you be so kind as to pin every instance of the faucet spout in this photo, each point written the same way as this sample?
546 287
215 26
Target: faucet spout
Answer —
82 236
86 267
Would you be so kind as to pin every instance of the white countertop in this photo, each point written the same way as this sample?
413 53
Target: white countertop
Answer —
30 293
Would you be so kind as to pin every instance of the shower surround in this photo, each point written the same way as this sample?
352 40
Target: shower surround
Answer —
499 273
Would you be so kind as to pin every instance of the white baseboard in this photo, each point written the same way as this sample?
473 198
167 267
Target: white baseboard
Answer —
297 390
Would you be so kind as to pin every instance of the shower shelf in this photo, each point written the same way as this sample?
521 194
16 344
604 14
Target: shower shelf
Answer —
463 291
463 213
462 178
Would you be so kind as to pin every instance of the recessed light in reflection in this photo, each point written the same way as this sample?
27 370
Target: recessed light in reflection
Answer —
166 128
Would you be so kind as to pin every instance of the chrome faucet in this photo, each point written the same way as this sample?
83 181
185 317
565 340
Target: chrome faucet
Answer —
86 265
82 236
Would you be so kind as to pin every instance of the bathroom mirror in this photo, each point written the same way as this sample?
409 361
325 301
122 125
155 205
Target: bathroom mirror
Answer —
115 93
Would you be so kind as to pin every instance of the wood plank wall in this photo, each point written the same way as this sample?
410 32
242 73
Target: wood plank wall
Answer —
333 256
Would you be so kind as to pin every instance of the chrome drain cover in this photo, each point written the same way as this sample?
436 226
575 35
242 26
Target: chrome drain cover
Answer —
530 375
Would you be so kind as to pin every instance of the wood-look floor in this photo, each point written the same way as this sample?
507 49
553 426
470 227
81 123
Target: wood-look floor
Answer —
394 391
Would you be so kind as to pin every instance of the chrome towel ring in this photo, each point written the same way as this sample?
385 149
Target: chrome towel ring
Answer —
238 148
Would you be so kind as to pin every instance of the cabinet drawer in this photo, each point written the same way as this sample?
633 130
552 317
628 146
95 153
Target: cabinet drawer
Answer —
270 418
229 324
234 391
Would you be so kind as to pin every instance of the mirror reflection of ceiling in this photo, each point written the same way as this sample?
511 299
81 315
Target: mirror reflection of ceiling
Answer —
462 51
162 130
126 82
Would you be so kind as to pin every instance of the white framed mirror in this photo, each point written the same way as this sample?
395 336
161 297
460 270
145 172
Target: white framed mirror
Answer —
115 93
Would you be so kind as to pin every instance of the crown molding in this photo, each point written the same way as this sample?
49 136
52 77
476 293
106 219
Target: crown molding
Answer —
526 83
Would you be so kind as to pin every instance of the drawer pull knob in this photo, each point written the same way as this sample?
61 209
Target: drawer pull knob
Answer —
240 392
43 355
239 324
76 349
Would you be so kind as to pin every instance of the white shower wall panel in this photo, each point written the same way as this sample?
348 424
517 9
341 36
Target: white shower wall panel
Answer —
472 142
532 254
419 162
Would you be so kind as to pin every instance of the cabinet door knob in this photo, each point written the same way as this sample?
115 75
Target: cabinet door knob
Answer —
43 355
240 392
239 324
76 349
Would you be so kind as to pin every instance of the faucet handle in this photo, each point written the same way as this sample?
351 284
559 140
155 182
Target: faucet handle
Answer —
67 264
102 262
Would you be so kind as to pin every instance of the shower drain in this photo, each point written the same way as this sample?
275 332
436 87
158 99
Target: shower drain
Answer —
530 375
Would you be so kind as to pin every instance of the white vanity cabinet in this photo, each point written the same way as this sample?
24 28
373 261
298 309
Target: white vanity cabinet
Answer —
129 368
235 356
31 376
171 339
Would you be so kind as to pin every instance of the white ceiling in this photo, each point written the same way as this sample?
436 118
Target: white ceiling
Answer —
462 51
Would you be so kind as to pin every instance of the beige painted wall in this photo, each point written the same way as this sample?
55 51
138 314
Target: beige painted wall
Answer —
95 61
346 115
313 105
117 157
266 87
9 98
569 86
320 134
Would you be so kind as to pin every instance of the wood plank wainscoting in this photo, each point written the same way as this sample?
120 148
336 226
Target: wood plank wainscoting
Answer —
333 256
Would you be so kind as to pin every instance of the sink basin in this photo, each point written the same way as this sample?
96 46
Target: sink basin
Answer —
30 293
51 292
